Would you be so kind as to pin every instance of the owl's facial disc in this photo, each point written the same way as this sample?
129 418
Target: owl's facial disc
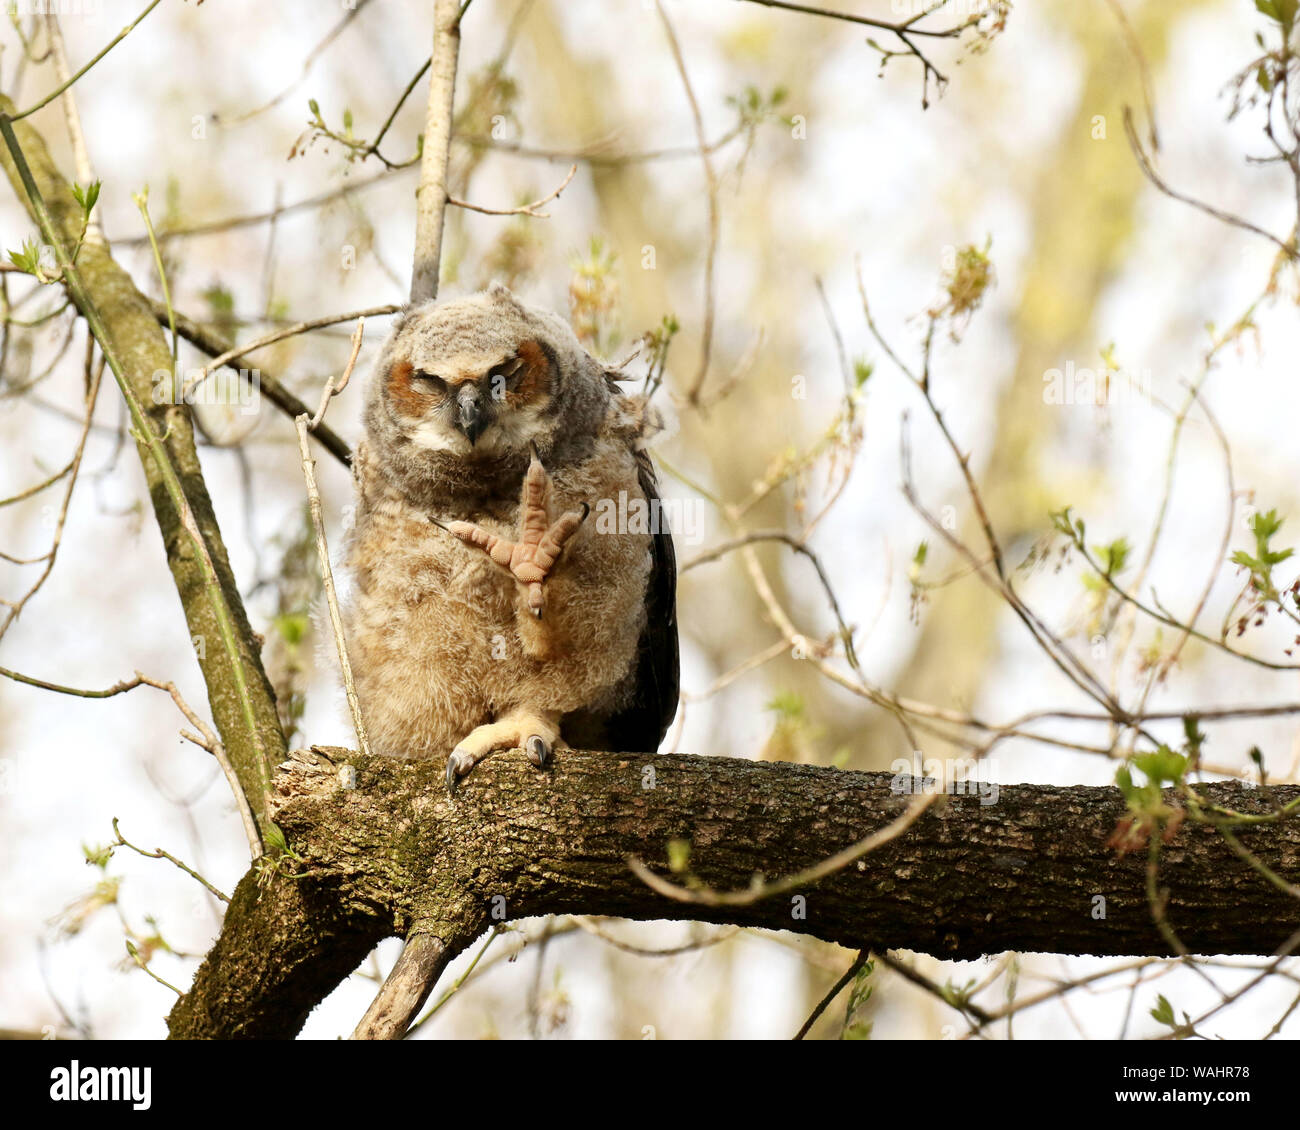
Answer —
474 405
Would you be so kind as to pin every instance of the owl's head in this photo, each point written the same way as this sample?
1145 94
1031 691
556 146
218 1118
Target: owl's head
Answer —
480 380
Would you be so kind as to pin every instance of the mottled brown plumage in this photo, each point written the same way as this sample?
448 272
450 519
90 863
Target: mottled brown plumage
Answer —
474 404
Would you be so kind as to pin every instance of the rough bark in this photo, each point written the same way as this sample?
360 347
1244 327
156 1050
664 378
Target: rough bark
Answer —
394 855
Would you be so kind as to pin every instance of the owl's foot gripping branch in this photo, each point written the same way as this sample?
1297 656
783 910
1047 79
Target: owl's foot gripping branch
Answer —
376 848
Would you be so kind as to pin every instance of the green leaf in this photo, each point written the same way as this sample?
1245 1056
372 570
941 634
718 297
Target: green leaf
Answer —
1113 557
87 196
292 627
679 856
99 856
274 838
788 704
1162 765
1124 781
1163 1013
28 259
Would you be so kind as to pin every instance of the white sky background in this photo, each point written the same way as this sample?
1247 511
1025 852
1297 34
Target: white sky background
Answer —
879 179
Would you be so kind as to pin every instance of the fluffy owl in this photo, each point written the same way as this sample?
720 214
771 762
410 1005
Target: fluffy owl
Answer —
486 613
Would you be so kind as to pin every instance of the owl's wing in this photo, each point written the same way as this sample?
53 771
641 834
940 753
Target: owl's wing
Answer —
650 691
658 664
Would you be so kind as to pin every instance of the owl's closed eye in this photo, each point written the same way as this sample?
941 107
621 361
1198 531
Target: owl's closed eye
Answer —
472 396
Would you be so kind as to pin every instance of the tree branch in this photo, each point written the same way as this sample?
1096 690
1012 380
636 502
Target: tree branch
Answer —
384 852
240 697
431 196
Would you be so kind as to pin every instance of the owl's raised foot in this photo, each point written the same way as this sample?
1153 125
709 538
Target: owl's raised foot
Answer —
536 733
531 558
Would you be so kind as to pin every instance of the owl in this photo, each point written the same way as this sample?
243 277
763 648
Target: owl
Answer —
487 612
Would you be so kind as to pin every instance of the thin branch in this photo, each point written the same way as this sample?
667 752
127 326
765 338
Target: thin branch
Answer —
281 334
121 35
903 26
80 154
208 740
310 61
711 186
158 853
303 423
835 990
1150 173
431 196
219 227
522 209
759 890
331 389
276 392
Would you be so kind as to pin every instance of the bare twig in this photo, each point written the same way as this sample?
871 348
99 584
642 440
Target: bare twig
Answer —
522 209
158 853
276 392
303 423
1148 170
758 890
834 991
711 186
67 84
205 738
80 154
280 335
331 389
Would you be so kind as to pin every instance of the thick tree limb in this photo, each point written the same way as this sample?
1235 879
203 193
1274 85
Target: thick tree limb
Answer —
393 855
138 340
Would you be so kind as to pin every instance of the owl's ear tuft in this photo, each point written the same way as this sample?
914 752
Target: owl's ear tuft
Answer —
409 312
499 292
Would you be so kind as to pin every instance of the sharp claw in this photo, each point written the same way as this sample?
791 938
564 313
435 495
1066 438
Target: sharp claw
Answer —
453 770
539 753
440 525
585 511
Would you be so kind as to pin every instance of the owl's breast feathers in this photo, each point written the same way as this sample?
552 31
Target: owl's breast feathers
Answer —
434 626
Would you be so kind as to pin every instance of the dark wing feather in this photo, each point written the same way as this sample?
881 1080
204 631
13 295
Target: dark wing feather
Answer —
639 725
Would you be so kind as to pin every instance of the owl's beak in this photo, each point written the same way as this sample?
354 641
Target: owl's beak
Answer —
471 419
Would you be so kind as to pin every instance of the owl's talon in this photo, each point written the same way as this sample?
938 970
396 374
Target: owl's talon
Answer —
458 764
537 751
